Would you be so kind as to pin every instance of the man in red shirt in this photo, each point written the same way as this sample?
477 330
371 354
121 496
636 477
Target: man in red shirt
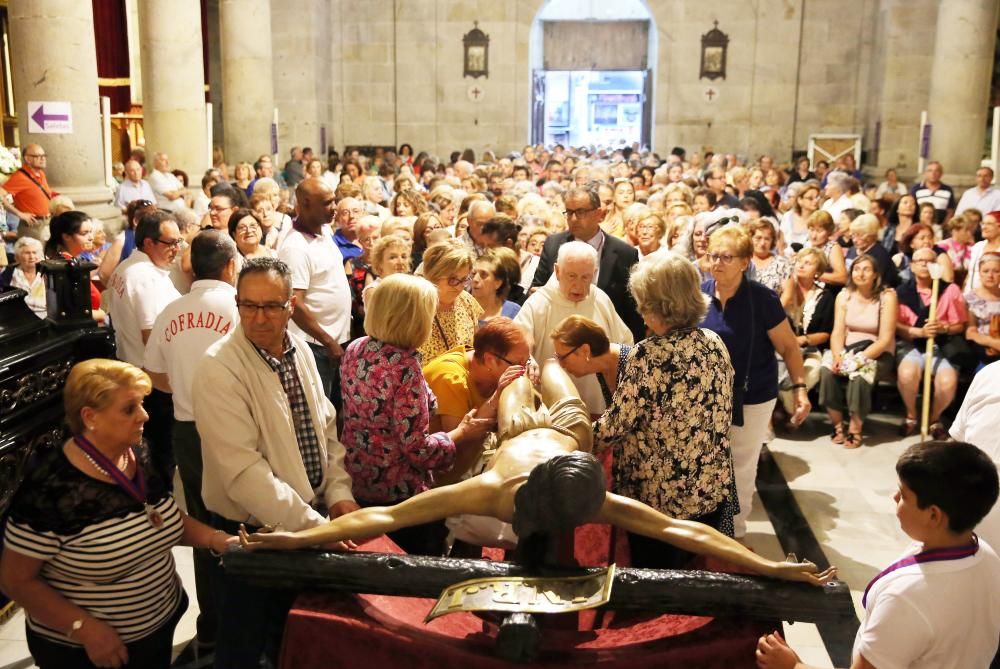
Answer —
29 193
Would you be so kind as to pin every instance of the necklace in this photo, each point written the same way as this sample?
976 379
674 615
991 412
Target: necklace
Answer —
136 487
99 468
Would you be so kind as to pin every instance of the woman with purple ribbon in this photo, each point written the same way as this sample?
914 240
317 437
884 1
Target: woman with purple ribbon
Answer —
88 543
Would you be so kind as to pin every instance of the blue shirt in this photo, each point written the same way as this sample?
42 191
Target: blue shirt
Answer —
743 326
348 249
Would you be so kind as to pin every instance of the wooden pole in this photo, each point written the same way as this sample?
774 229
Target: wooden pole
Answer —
696 593
929 353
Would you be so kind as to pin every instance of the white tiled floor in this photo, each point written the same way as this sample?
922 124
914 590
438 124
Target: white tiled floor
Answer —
845 495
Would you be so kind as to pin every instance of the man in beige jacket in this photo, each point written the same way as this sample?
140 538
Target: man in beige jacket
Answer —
270 450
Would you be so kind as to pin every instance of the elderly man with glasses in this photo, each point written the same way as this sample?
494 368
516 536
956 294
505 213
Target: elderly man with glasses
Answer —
27 193
270 451
616 258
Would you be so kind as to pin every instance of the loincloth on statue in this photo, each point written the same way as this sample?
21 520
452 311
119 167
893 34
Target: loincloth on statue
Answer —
568 416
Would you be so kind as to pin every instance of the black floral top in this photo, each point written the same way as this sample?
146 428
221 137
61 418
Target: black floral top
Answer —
669 422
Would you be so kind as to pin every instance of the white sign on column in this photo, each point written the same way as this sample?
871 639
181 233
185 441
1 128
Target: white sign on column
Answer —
50 117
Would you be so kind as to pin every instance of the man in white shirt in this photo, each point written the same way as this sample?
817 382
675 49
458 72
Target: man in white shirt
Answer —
134 187
983 196
138 290
168 189
323 297
978 423
572 293
181 334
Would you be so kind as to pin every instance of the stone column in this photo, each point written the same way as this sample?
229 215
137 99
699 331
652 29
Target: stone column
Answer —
173 84
960 83
56 60
247 84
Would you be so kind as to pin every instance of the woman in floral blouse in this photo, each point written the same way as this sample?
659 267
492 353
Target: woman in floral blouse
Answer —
388 405
448 265
670 417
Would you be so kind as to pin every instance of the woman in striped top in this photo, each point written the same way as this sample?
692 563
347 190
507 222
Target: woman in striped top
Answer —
90 531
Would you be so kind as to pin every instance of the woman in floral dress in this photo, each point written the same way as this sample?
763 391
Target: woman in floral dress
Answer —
670 416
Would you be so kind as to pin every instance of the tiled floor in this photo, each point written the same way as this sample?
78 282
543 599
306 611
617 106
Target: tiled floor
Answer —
846 496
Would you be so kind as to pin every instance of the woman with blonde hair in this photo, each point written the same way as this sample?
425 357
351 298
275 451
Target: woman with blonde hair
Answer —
671 450
821 232
390 255
242 176
650 233
87 550
448 266
391 455
614 219
407 203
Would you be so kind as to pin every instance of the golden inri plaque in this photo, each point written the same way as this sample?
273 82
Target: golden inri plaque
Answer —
527 594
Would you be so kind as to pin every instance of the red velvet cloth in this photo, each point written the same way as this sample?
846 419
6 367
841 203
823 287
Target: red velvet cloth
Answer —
382 632
111 38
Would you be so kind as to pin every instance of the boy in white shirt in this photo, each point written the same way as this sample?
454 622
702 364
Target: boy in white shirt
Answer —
939 605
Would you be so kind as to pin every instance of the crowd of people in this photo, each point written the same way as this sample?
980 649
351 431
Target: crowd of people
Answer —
336 336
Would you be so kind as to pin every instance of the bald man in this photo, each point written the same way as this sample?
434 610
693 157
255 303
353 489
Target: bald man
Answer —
134 187
29 193
322 295
480 212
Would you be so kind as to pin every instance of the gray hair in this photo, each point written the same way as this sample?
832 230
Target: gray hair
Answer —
841 180
669 288
577 249
25 242
271 266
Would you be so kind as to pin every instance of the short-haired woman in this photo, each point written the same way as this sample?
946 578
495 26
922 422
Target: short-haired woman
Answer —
25 275
448 265
821 236
493 275
388 405
671 449
752 323
246 230
770 268
582 348
87 551
863 337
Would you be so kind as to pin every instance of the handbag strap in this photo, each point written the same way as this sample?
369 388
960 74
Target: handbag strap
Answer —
46 193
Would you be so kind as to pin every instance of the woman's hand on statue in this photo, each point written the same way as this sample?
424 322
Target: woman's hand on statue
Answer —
103 645
509 375
534 371
472 428
773 652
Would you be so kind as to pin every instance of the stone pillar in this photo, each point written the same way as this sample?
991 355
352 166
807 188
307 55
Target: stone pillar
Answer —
960 83
247 85
56 60
173 84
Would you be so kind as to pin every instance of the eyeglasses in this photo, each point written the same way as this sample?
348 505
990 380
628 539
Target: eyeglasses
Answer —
215 207
562 358
35 155
243 229
270 309
455 283
579 212
723 258
173 243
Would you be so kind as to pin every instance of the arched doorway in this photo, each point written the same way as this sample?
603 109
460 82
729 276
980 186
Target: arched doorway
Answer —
593 68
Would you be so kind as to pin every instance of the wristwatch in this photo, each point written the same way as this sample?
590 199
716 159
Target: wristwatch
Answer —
75 627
